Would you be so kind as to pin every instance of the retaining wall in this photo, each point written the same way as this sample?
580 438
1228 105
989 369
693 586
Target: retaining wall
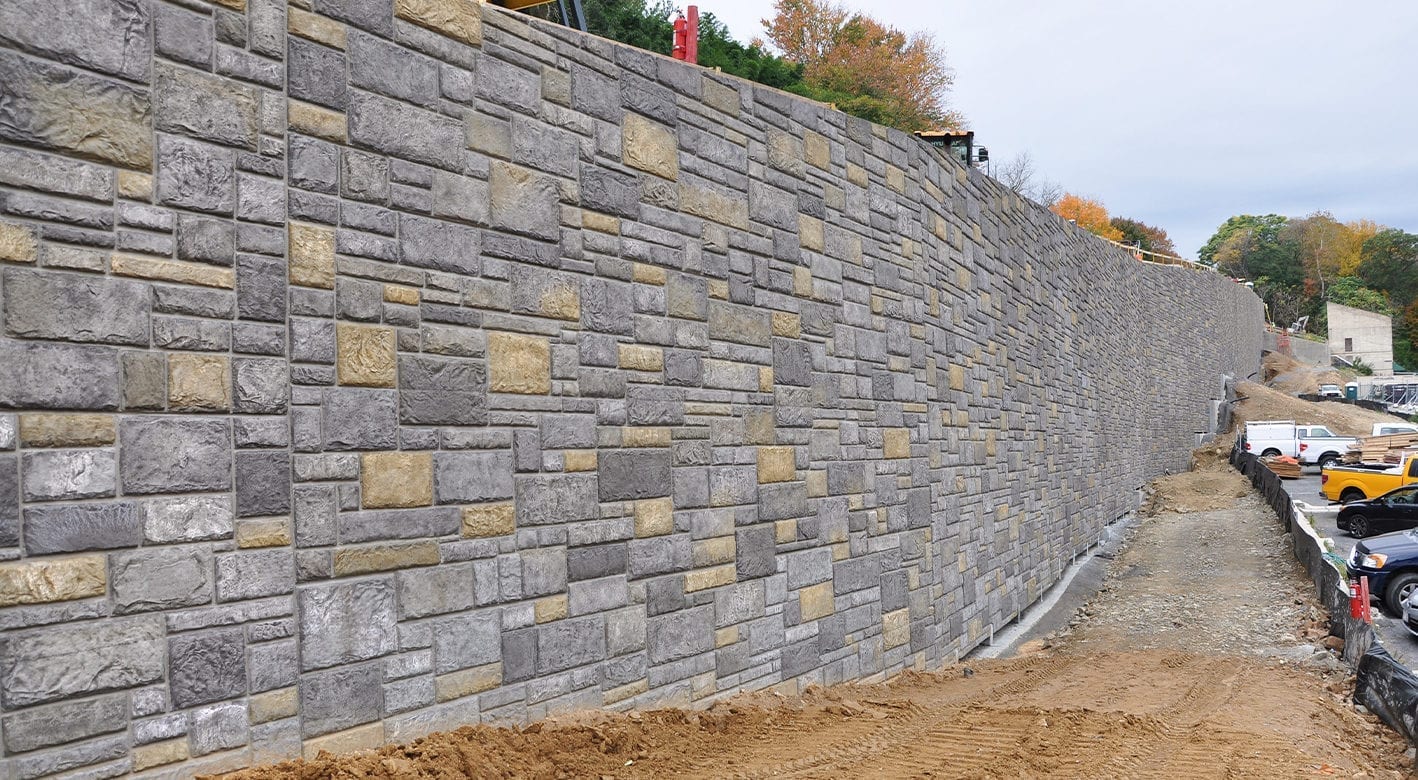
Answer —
373 367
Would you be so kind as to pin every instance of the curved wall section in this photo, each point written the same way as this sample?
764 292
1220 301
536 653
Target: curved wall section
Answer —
374 368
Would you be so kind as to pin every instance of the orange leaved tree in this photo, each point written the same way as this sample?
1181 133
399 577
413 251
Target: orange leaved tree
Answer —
1089 214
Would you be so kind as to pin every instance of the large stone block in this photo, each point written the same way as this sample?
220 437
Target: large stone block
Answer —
649 146
207 107
75 308
396 479
436 590
680 634
206 667
547 499
195 176
161 578
49 580
58 376
56 724
317 74
403 131
755 551
198 383
346 622
392 71
260 386
109 36
466 641
68 474
634 474
340 698
359 419
438 244
566 644
58 108
518 363
174 454
64 528
67 660
524 201
460 20
187 518
442 391
472 477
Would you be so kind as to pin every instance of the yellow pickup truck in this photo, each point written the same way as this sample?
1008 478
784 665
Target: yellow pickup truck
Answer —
1355 483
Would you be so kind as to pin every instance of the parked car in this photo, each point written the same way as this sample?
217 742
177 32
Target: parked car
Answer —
1410 612
1367 480
1331 391
1390 561
1395 510
1394 428
1309 444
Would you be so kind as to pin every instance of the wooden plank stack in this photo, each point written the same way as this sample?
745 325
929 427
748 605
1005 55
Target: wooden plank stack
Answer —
1284 467
1382 449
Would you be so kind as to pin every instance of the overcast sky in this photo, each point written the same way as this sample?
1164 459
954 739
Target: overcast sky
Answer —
1181 114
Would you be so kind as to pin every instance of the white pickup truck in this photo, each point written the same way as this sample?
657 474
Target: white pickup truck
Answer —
1394 428
1309 444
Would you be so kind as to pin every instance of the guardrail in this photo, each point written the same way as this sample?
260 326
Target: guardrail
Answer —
1388 688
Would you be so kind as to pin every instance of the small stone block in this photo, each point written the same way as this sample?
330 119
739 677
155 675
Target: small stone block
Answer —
312 256
645 437
896 443
396 479
159 753
366 737
638 357
315 28
601 223
701 579
467 682
274 705
367 356
895 627
816 601
486 520
654 517
18 243
785 531
172 271
765 379
551 608
775 464
802 282
67 430
316 121
518 363
198 383
787 325
135 186
397 293
726 636
648 274
714 552
649 146
578 460
264 532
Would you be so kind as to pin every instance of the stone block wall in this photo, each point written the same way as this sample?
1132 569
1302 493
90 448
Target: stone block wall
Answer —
371 367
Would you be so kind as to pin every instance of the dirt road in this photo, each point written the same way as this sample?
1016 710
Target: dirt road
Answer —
1202 657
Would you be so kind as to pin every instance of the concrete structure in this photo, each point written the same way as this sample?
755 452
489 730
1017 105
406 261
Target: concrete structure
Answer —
371 368
1366 335
1314 353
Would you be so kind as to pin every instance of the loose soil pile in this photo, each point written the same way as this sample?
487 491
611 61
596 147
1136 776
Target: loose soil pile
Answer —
1289 375
1264 403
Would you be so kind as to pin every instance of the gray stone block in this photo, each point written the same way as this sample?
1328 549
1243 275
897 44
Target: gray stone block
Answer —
792 362
314 512
566 644
186 518
472 477
313 164
365 177
260 432
406 695
88 755
183 36
377 16
263 481
89 657
519 655
259 386
383 525
547 499
160 578
568 431
634 474
809 567
360 419
607 307
261 289
466 641
206 667
9 501
255 574
436 590
195 176
109 36
650 405
316 74
204 106
346 622
523 201
57 108
438 245
442 391
272 665
218 727
854 574
403 131
358 300
659 555
56 724
392 70
754 546
782 501
75 308
680 634
602 560
54 475
174 454
543 571
64 528
312 341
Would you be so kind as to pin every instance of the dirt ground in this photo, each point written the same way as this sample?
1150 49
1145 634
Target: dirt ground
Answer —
1202 656
1289 375
1265 403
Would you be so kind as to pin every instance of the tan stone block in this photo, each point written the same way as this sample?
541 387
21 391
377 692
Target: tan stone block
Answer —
802 282
787 325
722 97
235 5
815 601
817 150
18 243
701 579
265 532
810 233
561 301
198 383
458 19
816 484
486 520
466 682
638 357
896 628
645 437
367 356
159 753
172 271
775 464
135 186
367 737
654 517
316 121
895 178
578 460
312 256
896 443
397 293
600 223
841 551
43 429
759 427
765 379
726 636
648 274
957 377
551 608
714 205
44 580
390 480
713 552
518 363
350 561
719 289
785 531
623 692
273 705
316 28
649 146
857 175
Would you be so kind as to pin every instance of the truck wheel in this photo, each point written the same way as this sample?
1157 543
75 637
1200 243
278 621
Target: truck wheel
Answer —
1358 526
1399 588
1328 460
1270 453
1351 494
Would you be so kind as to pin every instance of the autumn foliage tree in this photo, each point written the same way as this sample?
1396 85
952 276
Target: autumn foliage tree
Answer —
1144 236
867 68
1089 214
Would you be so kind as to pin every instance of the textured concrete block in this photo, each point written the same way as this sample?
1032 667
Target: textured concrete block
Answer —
48 580
650 147
198 383
186 518
435 591
53 107
207 107
340 698
63 528
896 443
460 20
263 482
75 308
68 474
207 667
566 644
351 561
466 641
56 724
61 661
259 386
174 454
358 419
366 356
396 479
346 622
776 464
680 634
634 474
312 255
518 363
654 517
161 578
255 574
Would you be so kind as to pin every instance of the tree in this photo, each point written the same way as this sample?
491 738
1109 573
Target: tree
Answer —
1390 263
869 69
1352 244
1089 214
1319 241
1350 291
1018 173
1144 236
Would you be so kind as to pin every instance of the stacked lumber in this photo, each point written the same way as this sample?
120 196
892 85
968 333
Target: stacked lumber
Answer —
1284 467
1381 449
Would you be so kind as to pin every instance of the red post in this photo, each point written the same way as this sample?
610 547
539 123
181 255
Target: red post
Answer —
1364 598
691 36
680 48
